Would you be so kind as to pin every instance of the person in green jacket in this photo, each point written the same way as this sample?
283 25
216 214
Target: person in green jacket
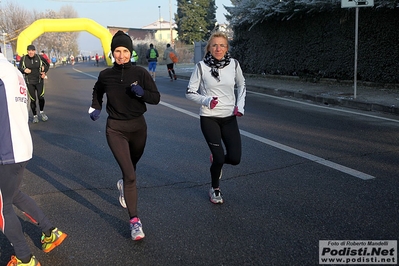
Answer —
134 58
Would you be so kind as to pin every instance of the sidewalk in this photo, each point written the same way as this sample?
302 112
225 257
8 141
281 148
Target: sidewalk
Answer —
369 97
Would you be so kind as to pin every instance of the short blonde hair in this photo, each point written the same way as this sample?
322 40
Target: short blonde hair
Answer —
216 34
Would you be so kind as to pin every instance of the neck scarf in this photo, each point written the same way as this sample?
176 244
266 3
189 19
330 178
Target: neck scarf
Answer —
215 64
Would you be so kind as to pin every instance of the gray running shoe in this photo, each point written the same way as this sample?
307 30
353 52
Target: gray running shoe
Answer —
136 229
35 119
44 117
215 196
119 184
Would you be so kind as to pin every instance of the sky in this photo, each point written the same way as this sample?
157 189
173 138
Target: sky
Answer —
119 13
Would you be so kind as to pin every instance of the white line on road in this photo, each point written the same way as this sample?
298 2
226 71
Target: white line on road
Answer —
77 70
288 149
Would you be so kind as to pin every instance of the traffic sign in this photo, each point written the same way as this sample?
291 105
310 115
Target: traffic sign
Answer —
356 3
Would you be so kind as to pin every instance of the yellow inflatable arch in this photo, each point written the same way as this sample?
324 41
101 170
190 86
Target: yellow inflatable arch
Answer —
41 26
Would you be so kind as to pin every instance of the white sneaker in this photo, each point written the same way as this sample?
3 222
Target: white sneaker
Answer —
35 119
119 184
44 117
136 229
215 196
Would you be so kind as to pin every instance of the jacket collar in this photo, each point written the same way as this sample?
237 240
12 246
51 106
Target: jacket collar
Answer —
123 66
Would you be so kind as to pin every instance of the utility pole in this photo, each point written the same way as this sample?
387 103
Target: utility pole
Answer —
170 22
356 51
356 4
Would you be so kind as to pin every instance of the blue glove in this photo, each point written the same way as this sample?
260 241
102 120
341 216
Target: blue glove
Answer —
137 90
95 115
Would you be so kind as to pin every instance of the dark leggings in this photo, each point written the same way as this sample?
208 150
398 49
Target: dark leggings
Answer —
216 130
127 140
10 182
32 88
170 70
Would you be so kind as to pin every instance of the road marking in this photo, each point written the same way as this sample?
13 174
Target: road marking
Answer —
77 70
308 156
323 107
288 149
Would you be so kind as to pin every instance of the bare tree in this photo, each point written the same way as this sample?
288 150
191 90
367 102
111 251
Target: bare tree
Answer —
69 39
13 20
58 43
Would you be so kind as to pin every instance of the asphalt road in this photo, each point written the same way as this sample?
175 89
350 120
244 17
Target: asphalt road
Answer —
308 173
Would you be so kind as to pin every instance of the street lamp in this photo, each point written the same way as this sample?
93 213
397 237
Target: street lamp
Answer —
160 34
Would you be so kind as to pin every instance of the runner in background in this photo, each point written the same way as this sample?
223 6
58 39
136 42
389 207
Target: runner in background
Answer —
152 58
170 57
34 67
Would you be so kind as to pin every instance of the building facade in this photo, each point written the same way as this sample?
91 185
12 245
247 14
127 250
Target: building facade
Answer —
164 31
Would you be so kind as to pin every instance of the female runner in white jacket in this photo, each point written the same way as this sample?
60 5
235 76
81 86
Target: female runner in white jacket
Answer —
212 85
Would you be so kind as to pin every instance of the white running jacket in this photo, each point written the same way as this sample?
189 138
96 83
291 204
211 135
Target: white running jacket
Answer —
203 86
15 138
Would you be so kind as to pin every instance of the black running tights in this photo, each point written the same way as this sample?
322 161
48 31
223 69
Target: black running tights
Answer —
216 130
39 89
171 71
127 140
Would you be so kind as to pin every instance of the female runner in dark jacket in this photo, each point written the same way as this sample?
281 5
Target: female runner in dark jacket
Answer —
128 89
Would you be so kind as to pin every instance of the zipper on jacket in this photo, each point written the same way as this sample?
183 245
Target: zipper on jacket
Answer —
123 68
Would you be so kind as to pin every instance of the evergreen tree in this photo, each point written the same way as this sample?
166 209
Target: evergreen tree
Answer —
195 19
211 19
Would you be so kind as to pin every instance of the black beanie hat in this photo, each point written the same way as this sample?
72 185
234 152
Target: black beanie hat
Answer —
121 39
31 47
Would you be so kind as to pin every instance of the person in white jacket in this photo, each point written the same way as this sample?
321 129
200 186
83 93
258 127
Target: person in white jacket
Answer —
15 151
212 85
